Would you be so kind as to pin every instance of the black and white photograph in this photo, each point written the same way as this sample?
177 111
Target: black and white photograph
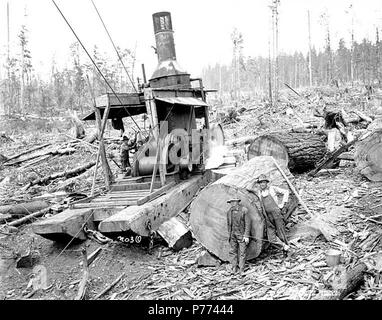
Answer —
190 155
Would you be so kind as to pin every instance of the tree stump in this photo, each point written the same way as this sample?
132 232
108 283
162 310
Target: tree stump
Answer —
299 150
368 156
208 217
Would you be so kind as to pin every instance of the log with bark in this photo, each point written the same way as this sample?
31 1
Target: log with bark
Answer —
300 151
27 151
368 155
208 217
64 174
52 152
22 209
29 217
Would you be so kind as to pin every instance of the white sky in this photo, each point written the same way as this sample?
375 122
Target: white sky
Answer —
202 27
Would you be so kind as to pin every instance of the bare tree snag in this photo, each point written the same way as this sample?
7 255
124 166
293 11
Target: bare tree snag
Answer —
368 156
79 130
209 210
300 151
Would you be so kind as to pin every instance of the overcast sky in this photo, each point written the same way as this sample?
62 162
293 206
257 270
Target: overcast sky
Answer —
202 27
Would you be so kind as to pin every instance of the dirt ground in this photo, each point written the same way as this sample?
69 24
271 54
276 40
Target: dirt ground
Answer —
164 274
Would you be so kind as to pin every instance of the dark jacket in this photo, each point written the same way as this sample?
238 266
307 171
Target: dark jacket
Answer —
244 228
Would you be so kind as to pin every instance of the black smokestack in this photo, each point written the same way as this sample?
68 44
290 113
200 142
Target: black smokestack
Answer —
168 72
164 36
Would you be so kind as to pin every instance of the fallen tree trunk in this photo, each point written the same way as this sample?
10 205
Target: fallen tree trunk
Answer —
208 217
29 217
28 151
21 209
368 155
300 151
78 129
49 152
66 174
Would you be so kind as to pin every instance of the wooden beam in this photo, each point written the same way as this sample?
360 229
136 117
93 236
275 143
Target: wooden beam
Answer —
155 193
101 150
133 186
67 223
157 211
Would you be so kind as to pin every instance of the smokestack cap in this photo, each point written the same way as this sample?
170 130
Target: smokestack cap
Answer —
162 21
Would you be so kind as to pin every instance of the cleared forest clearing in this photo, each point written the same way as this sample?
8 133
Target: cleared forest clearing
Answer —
303 274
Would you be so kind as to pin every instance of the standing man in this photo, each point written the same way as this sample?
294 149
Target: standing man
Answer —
239 229
125 157
273 211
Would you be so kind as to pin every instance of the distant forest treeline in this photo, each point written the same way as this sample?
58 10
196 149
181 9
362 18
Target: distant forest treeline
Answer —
362 64
23 91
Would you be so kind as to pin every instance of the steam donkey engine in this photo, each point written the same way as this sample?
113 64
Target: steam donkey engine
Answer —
171 99
176 108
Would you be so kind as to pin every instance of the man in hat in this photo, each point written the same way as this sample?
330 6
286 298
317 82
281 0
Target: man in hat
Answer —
126 146
273 211
239 228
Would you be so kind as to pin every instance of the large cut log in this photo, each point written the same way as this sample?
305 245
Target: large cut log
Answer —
368 155
176 234
22 209
209 210
301 151
155 212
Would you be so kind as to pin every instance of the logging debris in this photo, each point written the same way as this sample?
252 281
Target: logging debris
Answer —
175 275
